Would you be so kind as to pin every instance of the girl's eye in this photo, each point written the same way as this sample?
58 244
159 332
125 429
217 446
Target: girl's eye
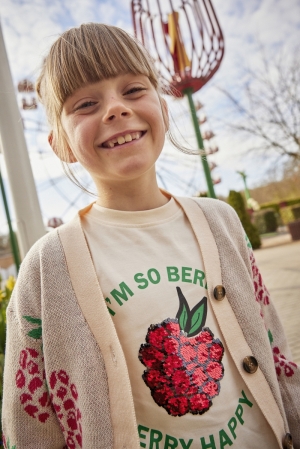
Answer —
134 89
86 104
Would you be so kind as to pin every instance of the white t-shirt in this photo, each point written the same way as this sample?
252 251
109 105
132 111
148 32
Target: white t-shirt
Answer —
187 391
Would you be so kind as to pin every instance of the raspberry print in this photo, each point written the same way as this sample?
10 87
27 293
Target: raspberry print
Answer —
30 379
183 361
39 402
64 396
282 365
261 293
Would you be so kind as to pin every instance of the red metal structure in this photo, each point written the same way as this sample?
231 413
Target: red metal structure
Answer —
184 38
186 41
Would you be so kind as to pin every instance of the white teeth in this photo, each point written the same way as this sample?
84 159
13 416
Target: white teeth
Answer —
121 140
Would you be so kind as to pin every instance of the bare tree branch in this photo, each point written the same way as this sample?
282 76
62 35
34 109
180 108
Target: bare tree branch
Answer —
268 107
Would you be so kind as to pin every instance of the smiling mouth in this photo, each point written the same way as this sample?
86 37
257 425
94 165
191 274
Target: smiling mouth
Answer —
120 140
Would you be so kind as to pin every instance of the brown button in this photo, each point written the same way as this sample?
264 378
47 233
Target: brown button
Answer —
219 292
250 364
287 442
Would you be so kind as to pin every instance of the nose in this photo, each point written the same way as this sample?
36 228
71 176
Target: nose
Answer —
116 109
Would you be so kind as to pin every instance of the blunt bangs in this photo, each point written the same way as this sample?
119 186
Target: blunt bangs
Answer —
88 54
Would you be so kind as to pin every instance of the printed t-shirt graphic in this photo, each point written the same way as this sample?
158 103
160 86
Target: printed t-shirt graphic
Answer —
143 260
183 361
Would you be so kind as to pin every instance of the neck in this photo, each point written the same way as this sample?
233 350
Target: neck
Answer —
135 196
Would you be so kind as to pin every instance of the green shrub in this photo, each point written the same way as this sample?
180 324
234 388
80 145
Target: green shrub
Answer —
296 212
290 214
265 221
235 200
277 204
274 206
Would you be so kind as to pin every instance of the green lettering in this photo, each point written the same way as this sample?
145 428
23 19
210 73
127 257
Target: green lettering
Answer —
170 443
245 400
157 276
224 439
186 274
139 279
109 309
117 295
155 437
239 413
173 275
141 435
210 445
199 276
232 423
184 444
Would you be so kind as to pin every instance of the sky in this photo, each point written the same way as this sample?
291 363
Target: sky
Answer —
31 26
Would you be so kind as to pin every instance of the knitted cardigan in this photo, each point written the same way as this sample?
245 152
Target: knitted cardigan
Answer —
66 384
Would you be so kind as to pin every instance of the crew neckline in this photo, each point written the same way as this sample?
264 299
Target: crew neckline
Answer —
128 218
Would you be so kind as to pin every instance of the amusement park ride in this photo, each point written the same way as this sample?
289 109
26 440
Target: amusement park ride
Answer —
186 41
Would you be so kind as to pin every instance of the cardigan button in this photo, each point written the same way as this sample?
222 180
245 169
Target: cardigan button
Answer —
250 364
219 292
287 442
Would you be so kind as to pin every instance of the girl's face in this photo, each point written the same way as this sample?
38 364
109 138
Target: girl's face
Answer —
115 128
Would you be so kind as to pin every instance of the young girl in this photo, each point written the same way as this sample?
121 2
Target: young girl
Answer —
144 321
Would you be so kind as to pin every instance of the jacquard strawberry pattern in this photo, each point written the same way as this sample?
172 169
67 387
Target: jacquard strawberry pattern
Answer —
183 361
261 293
39 399
282 365
64 396
30 378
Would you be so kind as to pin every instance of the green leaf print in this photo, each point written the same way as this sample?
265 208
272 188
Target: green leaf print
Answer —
198 317
33 320
37 332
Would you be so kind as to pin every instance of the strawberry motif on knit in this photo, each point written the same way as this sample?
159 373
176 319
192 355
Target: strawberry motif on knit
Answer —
39 399
30 377
282 365
183 361
64 397
261 293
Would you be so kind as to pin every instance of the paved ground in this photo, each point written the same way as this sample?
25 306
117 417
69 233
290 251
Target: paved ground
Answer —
279 263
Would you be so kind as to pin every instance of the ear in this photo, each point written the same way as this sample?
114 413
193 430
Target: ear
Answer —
69 158
165 111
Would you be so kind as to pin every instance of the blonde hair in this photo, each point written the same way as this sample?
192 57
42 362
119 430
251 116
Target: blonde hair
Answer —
88 54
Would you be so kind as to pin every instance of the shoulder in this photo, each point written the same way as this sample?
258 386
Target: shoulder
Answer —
40 271
218 211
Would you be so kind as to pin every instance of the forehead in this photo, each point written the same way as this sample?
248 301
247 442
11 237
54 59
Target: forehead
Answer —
117 83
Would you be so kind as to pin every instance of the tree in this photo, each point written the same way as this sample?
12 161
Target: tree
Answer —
268 108
236 200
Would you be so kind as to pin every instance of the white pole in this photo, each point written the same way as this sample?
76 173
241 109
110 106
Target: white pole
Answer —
30 226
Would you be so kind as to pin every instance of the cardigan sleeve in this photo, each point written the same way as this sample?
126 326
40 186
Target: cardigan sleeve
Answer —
288 373
28 418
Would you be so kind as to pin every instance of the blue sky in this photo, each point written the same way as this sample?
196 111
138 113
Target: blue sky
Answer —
29 28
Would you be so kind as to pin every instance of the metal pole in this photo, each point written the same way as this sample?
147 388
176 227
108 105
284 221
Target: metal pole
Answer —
30 226
211 192
244 176
13 241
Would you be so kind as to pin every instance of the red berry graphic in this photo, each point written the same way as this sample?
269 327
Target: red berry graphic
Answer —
183 361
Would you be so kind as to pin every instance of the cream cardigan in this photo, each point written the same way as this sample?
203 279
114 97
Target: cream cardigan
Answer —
66 382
